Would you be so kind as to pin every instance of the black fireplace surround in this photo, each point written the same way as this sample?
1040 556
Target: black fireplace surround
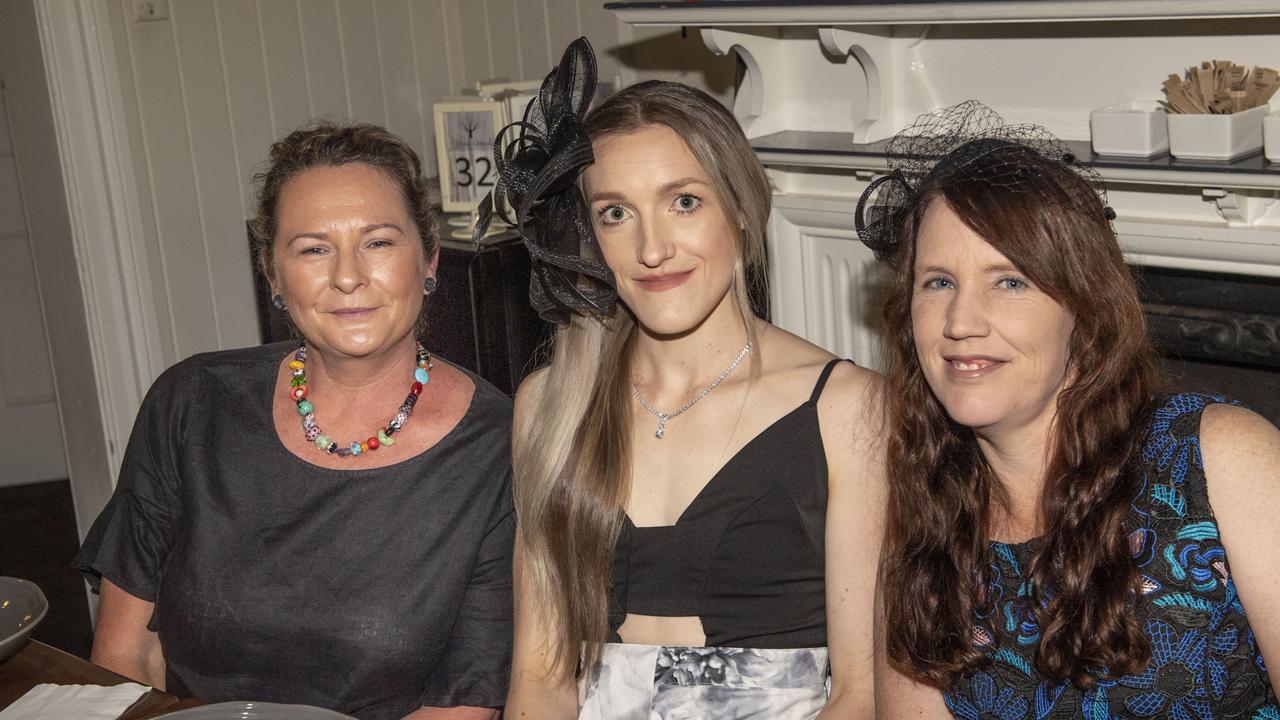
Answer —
1217 333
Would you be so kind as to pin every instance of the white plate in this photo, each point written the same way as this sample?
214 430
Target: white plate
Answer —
257 711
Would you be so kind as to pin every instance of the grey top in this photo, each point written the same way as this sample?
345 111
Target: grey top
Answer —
369 591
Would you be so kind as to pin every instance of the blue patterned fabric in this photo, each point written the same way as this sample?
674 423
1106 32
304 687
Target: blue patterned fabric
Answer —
1204 660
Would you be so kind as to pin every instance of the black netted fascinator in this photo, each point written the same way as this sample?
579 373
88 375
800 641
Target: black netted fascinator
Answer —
969 143
538 161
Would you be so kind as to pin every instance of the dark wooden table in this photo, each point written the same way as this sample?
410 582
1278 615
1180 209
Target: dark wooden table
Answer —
38 663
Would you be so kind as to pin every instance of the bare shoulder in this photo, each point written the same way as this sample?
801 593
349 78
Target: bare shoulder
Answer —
1240 450
853 384
1235 427
851 401
785 351
789 352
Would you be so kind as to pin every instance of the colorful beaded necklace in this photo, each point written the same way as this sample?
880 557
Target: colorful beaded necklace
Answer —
298 393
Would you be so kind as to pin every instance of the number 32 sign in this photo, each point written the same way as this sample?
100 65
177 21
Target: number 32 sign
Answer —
464 151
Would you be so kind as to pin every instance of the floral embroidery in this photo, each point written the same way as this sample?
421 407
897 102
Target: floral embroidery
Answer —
1175 676
985 703
1205 662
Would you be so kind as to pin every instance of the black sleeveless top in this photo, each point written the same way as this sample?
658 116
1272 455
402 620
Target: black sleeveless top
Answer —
747 555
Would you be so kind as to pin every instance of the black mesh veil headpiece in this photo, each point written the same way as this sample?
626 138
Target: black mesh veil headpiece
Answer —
967 143
538 160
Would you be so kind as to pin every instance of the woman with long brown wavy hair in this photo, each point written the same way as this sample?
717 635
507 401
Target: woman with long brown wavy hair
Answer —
1057 535
681 463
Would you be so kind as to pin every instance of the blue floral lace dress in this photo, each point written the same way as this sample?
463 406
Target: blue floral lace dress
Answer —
1204 663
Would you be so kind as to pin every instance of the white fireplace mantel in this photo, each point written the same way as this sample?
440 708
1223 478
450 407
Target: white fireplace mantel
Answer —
824 83
727 13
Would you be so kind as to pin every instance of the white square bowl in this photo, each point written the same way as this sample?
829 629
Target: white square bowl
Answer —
1271 136
1134 129
1216 137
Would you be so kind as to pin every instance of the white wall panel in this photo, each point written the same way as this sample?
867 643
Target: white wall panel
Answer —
217 181
285 62
602 29
248 100
30 434
208 89
6 146
401 91
564 25
25 376
531 32
837 273
11 223
167 163
357 27
504 38
150 251
434 55
1055 73
322 59
477 61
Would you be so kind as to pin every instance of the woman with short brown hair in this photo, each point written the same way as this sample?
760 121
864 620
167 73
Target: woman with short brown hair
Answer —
326 520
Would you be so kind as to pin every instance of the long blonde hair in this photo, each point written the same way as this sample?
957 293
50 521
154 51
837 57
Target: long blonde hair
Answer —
572 443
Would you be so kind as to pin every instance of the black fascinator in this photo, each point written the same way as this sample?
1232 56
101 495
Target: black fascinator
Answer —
968 143
538 160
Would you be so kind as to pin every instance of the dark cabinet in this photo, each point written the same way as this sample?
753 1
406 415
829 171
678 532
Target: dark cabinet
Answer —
480 316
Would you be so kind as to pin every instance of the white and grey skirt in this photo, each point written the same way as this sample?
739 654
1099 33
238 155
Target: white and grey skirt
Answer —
653 682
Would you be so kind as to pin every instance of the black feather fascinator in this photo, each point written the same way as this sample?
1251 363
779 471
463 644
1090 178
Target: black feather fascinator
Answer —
538 160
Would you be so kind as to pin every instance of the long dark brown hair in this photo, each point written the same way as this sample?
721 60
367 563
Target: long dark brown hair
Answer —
572 449
942 492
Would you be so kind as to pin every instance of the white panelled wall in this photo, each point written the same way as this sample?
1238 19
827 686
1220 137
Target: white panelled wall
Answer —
207 89
30 433
136 139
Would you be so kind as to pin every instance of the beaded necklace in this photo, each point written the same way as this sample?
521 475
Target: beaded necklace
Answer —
298 393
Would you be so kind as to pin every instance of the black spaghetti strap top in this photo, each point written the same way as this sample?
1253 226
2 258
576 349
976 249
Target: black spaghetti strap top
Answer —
747 555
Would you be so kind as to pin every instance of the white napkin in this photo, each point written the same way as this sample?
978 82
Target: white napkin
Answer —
83 702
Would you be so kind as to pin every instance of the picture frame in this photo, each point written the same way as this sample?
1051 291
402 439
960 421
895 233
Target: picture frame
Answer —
464 150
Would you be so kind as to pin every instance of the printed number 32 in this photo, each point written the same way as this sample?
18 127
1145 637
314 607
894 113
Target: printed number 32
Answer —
465 176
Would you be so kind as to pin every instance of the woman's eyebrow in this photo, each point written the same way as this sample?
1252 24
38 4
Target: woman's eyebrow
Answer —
677 184
662 189
606 195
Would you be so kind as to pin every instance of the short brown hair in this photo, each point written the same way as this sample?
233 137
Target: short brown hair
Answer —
323 143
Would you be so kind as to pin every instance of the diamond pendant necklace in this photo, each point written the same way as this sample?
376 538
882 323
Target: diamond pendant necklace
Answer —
664 418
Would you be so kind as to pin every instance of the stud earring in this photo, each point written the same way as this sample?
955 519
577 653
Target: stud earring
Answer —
278 302
429 285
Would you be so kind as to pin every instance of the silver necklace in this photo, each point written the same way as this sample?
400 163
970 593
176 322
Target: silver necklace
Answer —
664 418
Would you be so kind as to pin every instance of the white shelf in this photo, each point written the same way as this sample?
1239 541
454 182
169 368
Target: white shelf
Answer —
836 150
732 13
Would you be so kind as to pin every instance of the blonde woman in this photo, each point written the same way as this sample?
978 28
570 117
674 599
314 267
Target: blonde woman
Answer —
681 464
